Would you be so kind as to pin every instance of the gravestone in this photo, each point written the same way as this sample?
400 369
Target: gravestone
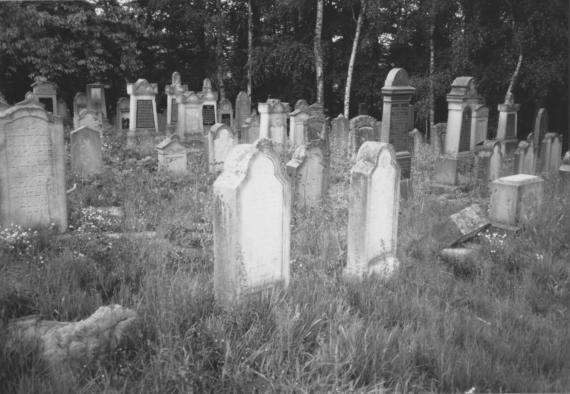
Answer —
301 104
243 111
86 154
551 153
437 135
96 99
480 123
173 91
79 102
308 171
362 129
189 124
87 118
226 113
525 160
540 126
142 111
3 104
515 200
172 155
461 132
297 120
373 212
316 109
63 111
340 135
495 162
507 127
221 140
252 214
416 141
209 100
273 122
123 108
46 93
250 129
32 168
315 128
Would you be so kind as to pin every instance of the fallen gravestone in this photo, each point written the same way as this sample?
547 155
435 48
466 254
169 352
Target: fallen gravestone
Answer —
460 226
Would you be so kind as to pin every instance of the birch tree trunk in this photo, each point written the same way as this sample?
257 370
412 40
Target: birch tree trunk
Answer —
220 48
352 60
249 46
431 67
318 49
514 77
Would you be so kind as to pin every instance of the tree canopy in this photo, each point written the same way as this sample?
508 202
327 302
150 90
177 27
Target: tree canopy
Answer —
115 41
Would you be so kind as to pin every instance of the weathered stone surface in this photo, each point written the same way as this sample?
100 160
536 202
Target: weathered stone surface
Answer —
221 140
373 212
32 168
252 214
67 344
172 155
86 154
515 200
308 170
460 226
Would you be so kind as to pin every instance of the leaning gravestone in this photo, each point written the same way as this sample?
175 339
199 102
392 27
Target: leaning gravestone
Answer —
252 213
373 212
243 110
86 156
32 168
221 140
309 173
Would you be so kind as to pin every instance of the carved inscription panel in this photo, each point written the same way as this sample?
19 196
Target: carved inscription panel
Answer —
261 225
399 126
30 172
145 115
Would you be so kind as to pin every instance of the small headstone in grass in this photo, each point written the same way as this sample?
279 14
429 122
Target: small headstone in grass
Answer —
362 128
495 162
250 129
243 110
460 226
86 155
515 200
172 155
339 136
373 212
252 214
308 171
221 140
32 168
273 122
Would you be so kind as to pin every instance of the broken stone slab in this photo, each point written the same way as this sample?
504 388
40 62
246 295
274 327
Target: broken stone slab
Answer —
139 235
71 344
463 262
460 226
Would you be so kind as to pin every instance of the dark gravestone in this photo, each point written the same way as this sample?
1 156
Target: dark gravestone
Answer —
145 117
174 113
511 123
227 119
208 115
465 136
125 123
399 127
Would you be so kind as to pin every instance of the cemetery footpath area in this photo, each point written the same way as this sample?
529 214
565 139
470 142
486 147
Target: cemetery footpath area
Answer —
143 238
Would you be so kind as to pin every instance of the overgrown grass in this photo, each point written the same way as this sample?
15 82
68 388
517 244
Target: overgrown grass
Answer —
501 325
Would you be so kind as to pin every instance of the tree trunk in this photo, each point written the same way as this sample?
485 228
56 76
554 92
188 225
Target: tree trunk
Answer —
318 48
352 60
249 46
431 67
514 77
220 48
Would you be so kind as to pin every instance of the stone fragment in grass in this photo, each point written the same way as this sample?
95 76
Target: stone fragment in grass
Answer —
72 344
462 261
460 226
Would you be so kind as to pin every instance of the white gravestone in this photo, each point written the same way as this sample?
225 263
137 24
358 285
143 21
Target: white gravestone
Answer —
172 155
373 212
86 155
91 119
32 168
495 162
252 213
515 200
339 135
221 140
250 129
308 171
243 110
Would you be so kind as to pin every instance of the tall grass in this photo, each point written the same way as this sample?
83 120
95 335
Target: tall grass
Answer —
502 325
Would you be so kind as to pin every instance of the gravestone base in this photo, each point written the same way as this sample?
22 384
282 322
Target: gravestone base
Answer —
406 189
383 267
446 170
515 200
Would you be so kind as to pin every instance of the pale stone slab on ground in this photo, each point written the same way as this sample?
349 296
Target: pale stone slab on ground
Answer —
32 168
252 214
373 212
461 226
515 200
65 344
86 154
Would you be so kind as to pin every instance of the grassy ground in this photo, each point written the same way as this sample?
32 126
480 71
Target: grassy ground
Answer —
500 325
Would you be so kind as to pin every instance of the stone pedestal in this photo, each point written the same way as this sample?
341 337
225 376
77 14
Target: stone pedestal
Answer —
515 200
507 128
